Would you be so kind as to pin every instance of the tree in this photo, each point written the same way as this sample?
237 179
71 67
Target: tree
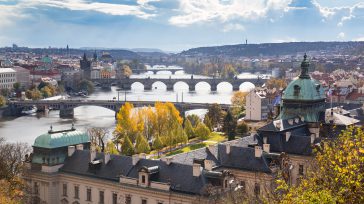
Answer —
110 148
127 71
202 132
127 147
215 114
189 129
207 122
2 101
85 85
242 128
98 137
157 144
276 83
336 173
142 145
238 104
194 119
229 125
126 123
17 88
228 71
46 92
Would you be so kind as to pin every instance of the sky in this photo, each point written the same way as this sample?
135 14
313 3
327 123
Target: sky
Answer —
176 25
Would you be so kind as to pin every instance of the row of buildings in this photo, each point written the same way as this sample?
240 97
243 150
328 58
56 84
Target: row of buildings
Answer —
63 168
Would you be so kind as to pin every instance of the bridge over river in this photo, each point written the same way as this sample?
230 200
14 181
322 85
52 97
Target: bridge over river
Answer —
126 83
66 107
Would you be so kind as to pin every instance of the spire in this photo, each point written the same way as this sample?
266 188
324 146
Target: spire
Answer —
304 68
84 56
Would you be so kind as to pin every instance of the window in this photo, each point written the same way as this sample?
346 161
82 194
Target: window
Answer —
127 199
226 183
256 189
36 188
144 201
300 170
160 202
114 198
88 194
64 189
77 191
143 179
101 197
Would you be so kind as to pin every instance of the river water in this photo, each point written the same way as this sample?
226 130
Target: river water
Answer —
27 128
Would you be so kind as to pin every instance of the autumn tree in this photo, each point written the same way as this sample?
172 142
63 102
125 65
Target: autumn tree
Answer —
276 83
2 101
127 123
207 122
157 144
98 138
202 132
127 71
228 71
242 128
189 129
336 174
238 104
142 145
111 148
194 119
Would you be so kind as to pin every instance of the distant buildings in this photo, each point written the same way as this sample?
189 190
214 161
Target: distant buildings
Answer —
7 78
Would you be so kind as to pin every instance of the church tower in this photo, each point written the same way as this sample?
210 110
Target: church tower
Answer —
85 66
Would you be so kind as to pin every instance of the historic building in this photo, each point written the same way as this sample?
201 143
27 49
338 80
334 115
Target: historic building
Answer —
85 66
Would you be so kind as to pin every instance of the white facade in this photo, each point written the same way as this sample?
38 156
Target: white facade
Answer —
95 74
7 78
256 107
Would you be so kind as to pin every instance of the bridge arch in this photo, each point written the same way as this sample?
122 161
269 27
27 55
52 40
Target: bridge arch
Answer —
224 86
180 85
246 87
202 86
137 86
159 85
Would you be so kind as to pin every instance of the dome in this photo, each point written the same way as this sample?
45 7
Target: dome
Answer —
55 139
304 88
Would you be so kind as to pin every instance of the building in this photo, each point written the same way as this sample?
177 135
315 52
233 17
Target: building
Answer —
22 76
7 78
85 66
256 106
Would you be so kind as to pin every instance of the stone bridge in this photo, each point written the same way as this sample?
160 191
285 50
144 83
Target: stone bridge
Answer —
66 107
155 70
126 83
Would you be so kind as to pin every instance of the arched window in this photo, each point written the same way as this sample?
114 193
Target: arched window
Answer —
296 90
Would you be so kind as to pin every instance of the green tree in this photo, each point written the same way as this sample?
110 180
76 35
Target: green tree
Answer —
2 101
202 132
189 129
215 114
229 125
157 144
127 147
242 128
111 148
142 145
335 175
194 119
85 85
207 122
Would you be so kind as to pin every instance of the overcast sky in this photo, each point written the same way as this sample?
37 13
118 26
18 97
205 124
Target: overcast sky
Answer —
176 25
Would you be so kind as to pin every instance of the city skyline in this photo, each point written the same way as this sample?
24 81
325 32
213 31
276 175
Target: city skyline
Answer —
176 25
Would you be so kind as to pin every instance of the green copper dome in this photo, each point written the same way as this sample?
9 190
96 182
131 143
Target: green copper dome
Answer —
303 97
304 88
55 139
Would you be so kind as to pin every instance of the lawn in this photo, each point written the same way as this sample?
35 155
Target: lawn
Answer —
187 149
216 137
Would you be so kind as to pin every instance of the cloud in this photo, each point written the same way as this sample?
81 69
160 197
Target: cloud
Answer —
359 39
233 26
341 35
285 39
200 11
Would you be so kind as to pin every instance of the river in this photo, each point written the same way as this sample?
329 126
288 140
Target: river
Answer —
27 128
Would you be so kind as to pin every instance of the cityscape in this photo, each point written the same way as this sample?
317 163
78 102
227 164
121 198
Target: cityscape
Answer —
181 102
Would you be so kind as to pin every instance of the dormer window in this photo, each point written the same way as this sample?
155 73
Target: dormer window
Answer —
296 90
318 86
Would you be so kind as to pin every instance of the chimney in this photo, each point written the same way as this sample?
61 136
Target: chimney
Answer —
92 154
258 151
265 140
266 147
196 170
135 159
71 150
313 137
169 160
288 135
208 165
106 158
79 147
228 146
